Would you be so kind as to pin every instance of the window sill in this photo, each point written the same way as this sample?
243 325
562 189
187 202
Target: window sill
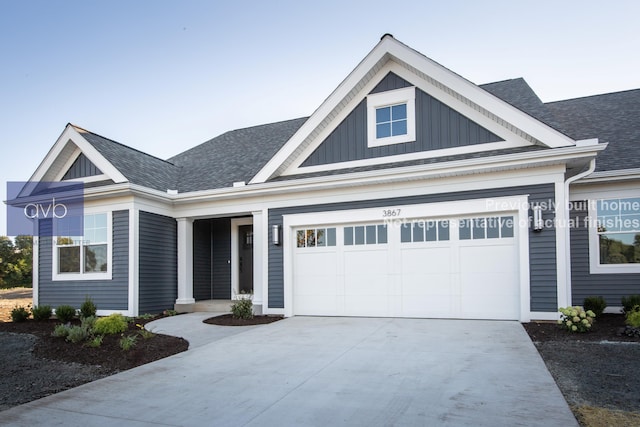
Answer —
77 277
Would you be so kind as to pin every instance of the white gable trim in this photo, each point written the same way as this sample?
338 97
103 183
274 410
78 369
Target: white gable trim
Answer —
65 151
359 83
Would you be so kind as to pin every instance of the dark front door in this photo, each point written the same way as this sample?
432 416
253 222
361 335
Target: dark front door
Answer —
245 258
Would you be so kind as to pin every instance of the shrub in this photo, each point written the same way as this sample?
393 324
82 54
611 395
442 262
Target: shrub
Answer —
41 313
144 333
113 324
88 322
77 334
242 309
633 317
169 312
88 308
61 331
65 313
20 314
629 302
595 304
95 341
128 342
147 316
575 319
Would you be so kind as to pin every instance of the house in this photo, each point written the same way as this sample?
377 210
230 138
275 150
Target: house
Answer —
410 192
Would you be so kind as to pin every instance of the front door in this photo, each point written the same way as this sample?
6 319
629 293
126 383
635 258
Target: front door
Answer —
245 259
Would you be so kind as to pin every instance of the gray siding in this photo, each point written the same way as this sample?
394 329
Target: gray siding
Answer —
437 127
583 284
542 246
158 262
106 294
211 259
82 167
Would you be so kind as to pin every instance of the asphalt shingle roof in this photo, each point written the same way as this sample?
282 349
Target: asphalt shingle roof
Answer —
233 156
238 155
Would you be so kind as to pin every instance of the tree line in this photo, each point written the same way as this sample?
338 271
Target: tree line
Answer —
16 261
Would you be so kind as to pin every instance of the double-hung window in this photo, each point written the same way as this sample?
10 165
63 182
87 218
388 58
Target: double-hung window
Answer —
391 117
85 257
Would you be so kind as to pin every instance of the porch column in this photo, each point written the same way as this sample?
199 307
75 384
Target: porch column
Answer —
185 301
260 247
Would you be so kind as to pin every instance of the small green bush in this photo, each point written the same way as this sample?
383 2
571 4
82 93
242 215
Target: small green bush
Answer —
88 308
146 316
144 333
20 314
633 317
242 309
77 334
41 313
96 341
169 312
113 324
595 304
61 331
128 342
575 319
629 302
65 313
89 323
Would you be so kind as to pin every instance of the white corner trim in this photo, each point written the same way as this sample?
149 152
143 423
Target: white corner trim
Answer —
35 272
235 259
388 98
134 257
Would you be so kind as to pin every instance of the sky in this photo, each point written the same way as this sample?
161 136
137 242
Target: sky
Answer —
163 76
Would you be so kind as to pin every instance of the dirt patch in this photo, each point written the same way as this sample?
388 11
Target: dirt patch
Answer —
12 297
598 372
229 320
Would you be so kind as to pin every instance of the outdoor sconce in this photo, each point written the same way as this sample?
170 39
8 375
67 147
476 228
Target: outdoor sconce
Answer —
275 234
537 218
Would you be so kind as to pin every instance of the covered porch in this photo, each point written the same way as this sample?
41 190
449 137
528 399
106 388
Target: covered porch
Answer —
219 260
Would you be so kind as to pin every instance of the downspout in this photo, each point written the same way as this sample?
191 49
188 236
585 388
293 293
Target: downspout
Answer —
567 183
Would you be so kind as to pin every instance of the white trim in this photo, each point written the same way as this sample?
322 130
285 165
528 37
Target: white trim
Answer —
393 97
235 261
260 258
391 50
134 251
185 261
563 287
35 270
82 276
516 204
594 241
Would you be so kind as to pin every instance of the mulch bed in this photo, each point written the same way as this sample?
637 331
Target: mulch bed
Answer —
229 320
599 368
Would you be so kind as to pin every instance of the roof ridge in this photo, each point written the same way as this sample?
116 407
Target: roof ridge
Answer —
121 144
593 96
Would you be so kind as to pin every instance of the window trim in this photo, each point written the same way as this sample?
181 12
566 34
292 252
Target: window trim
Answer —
107 275
389 98
594 241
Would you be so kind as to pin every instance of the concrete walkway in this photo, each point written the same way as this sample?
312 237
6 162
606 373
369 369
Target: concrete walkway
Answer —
311 371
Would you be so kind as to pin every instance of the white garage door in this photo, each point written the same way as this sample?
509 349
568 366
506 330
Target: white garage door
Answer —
463 267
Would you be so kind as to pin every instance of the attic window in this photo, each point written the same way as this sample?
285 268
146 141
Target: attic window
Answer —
391 117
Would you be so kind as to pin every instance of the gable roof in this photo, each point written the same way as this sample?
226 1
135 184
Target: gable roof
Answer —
138 167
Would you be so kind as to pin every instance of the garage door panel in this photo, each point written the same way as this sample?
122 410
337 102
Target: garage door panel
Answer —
421 260
318 305
366 305
433 305
365 273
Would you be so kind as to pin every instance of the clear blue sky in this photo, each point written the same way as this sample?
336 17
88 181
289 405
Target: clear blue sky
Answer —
164 76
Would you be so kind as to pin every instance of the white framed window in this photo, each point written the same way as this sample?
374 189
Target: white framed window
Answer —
370 234
316 237
614 235
391 117
86 257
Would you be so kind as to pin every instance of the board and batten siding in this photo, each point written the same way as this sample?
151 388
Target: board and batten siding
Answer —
542 246
106 294
612 287
82 167
437 126
211 259
158 262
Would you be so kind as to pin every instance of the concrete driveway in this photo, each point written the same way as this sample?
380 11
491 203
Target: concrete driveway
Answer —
312 371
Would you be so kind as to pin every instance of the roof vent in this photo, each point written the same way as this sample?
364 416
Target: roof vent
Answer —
385 35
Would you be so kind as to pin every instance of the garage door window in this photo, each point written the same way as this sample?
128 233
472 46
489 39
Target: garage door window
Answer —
486 228
365 234
316 237
424 231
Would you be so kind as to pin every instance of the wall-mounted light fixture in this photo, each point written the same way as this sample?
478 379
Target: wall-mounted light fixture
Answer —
537 218
275 234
